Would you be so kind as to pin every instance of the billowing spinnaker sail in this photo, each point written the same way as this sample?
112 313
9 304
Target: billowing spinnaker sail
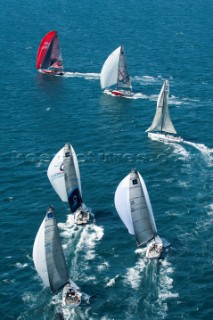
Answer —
109 71
49 53
48 254
55 174
39 256
162 120
141 209
122 204
123 81
72 178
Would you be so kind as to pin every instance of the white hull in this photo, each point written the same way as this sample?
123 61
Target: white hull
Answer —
71 296
154 250
119 93
82 216
164 137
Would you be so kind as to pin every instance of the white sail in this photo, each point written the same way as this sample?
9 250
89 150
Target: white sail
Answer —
115 71
48 255
134 207
39 256
109 71
122 204
55 174
162 120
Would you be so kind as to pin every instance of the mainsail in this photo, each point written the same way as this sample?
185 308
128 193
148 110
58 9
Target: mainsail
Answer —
115 71
49 54
123 74
134 207
162 120
48 254
71 178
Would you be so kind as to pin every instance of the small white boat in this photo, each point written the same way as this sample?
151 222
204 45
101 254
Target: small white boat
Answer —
135 210
50 262
115 73
64 175
72 295
162 121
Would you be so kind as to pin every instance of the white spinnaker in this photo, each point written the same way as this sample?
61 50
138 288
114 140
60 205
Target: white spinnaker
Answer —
39 256
109 71
122 204
55 174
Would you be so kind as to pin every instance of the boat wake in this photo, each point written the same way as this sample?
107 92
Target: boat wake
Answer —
207 152
139 95
157 277
88 76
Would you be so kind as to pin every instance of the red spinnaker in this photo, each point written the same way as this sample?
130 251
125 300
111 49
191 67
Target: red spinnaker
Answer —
49 54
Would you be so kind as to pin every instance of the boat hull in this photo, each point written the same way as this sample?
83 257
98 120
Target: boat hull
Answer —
82 216
71 296
52 72
119 93
154 250
164 137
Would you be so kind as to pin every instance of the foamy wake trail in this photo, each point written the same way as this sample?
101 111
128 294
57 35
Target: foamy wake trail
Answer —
133 275
139 95
179 151
165 287
207 152
88 76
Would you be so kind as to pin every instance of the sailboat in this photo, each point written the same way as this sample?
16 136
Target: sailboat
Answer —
64 175
162 121
135 210
50 262
49 58
115 72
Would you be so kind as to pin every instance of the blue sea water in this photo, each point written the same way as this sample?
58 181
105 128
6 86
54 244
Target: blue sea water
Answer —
163 40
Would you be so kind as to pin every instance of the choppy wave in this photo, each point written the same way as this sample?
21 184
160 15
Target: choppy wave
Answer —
207 152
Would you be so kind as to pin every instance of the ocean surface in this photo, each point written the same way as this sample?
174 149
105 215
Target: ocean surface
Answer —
163 40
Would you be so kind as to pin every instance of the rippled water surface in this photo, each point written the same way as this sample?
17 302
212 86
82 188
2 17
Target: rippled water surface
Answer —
163 40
